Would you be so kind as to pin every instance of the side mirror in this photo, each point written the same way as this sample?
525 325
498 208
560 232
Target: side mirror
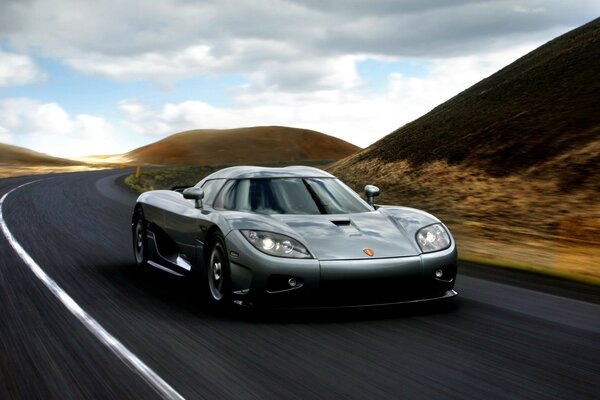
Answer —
371 192
194 193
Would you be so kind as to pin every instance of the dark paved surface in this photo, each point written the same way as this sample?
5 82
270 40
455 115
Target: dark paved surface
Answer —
506 336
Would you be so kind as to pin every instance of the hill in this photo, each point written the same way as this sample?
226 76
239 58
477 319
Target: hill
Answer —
19 156
511 163
15 161
256 145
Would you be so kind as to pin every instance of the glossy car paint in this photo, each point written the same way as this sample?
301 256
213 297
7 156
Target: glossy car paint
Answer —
178 233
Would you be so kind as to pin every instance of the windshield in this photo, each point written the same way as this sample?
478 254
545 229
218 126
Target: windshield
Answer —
290 196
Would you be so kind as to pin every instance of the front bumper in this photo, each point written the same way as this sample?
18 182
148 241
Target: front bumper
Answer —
260 279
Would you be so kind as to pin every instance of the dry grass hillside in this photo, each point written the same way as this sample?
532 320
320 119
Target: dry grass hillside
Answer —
263 144
20 161
512 163
13 155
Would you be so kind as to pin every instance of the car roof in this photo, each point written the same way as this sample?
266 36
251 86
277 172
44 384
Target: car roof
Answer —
249 172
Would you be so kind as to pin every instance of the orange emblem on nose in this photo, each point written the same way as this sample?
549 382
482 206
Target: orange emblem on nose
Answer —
369 252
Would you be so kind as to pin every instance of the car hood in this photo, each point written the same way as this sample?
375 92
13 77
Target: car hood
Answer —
335 237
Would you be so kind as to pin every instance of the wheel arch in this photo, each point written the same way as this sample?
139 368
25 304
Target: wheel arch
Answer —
209 237
134 216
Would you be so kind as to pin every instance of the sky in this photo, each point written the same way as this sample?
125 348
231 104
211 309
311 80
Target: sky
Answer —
82 77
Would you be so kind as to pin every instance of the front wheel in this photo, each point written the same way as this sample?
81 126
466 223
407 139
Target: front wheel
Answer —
140 240
218 275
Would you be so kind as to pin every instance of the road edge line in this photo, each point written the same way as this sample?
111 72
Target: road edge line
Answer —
124 354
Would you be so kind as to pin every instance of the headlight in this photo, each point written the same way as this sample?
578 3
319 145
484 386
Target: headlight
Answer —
433 238
275 244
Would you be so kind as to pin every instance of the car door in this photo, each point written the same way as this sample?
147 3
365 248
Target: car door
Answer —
188 225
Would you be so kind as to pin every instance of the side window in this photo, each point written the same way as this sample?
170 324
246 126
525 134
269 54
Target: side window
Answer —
211 189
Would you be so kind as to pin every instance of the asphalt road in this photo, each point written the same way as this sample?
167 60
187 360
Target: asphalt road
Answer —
507 336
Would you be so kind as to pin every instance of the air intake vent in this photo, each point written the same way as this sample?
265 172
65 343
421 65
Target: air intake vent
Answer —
342 222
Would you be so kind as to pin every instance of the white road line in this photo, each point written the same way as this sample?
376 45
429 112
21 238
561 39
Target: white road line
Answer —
130 359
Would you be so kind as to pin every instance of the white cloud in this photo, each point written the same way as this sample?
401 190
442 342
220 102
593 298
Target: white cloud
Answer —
172 118
353 114
48 128
5 136
267 64
346 109
298 60
280 43
18 69
161 68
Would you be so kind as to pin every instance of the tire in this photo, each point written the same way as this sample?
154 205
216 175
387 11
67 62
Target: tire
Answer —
218 275
140 240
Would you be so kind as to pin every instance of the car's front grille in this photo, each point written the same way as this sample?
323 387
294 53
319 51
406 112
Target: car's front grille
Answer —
373 291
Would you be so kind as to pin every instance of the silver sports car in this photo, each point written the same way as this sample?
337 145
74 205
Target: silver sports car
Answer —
293 237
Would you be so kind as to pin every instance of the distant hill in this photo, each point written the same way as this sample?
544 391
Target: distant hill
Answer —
514 157
262 144
19 156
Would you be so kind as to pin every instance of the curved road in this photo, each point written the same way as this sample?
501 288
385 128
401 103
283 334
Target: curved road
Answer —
508 335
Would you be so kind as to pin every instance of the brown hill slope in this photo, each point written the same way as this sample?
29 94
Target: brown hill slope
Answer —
512 160
533 111
263 144
15 161
19 156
